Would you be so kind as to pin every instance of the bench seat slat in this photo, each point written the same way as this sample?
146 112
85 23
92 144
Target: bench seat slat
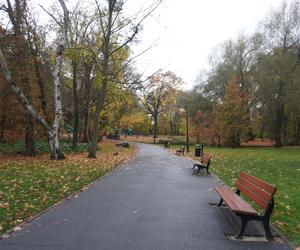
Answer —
255 194
235 202
260 183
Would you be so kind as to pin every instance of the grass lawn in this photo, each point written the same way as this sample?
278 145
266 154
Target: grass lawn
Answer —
29 185
276 166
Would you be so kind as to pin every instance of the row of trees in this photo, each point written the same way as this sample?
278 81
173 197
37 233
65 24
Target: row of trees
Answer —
251 88
253 84
83 80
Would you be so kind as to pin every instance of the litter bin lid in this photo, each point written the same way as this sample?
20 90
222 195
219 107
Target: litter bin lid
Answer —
197 146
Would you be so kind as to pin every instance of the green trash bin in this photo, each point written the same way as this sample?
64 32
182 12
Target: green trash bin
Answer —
197 150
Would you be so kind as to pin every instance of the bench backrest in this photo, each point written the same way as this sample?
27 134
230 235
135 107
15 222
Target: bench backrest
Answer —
256 189
206 159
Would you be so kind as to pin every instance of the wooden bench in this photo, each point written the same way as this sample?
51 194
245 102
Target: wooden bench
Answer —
204 163
258 191
180 151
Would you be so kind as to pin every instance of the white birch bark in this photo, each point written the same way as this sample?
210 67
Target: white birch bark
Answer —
54 143
53 131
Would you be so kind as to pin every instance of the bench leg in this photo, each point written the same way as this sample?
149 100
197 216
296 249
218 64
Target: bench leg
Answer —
266 221
194 166
207 170
268 232
244 222
220 202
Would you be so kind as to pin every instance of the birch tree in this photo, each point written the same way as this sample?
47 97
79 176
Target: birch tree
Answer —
52 130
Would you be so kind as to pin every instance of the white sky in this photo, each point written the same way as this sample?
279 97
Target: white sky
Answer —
186 32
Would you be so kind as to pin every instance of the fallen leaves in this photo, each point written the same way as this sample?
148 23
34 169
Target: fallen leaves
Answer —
29 185
5 236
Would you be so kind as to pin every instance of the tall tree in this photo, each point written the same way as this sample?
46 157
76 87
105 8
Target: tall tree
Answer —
278 64
158 93
53 131
17 16
231 115
112 40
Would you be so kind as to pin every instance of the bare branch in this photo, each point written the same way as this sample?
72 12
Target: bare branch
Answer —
53 17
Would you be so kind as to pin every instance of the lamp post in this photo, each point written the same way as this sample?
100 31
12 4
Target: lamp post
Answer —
187 129
186 110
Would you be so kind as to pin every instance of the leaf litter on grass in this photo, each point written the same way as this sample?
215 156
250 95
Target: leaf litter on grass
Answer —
29 185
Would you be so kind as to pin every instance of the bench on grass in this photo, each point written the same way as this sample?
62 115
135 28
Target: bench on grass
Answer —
180 151
256 190
204 163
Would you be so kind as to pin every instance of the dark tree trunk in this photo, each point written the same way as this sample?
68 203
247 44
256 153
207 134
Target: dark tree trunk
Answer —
155 126
298 132
29 132
76 106
87 91
21 53
34 47
2 128
105 71
279 125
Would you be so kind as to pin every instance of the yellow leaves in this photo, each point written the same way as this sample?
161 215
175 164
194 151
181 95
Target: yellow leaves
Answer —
281 223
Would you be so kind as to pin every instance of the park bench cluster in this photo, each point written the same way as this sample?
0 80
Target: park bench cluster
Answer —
256 190
252 188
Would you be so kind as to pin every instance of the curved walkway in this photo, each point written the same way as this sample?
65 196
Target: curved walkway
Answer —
153 202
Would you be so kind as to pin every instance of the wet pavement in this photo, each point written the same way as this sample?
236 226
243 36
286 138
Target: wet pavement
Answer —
153 202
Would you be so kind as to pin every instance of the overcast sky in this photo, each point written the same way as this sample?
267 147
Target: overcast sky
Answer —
188 31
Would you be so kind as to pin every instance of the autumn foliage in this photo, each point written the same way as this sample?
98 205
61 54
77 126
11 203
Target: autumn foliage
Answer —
231 115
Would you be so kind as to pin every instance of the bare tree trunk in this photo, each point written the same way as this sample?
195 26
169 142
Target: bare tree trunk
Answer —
76 105
155 126
29 133
279 125
17 17
99 106
2 127
101 97
29 126
33 43
87 91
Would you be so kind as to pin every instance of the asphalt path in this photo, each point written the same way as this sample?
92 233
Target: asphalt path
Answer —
153 202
